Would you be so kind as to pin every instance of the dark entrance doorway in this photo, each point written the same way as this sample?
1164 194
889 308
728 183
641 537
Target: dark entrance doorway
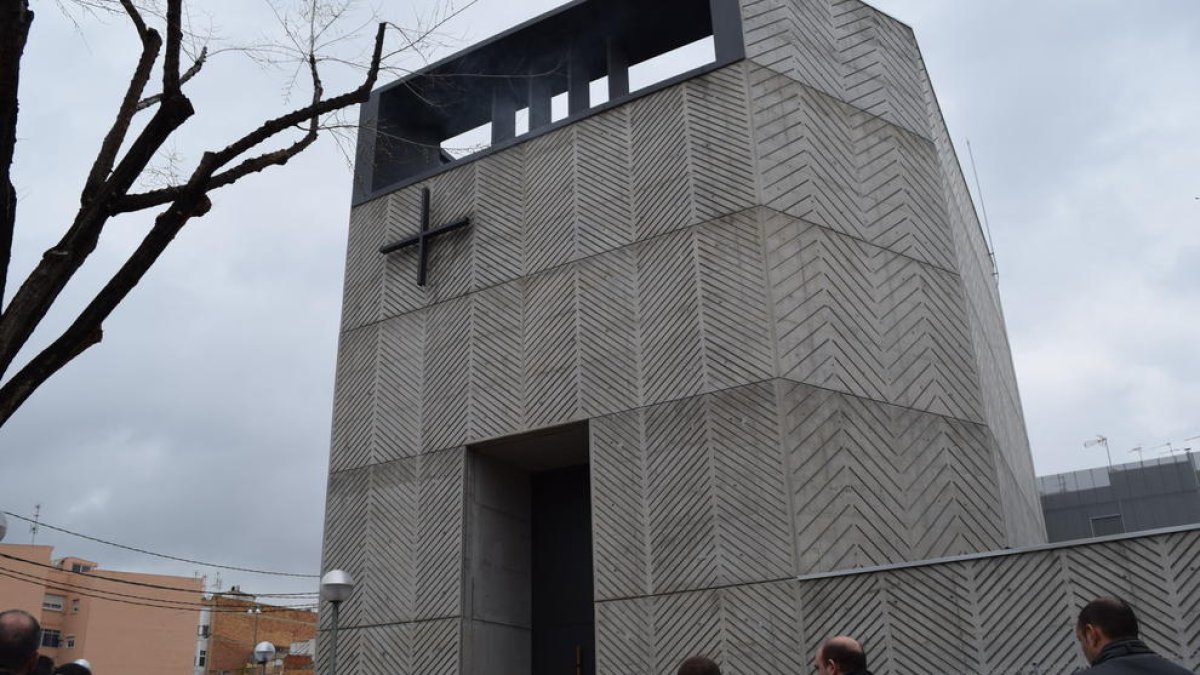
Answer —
563 621
529 606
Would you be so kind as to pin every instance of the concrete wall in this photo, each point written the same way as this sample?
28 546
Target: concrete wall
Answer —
1000 613
767 289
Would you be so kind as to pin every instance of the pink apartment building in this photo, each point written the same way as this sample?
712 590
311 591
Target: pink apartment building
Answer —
148 627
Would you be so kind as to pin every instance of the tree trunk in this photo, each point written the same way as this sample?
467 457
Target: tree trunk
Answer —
15 20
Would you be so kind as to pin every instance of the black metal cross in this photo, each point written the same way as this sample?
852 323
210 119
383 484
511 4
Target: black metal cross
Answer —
422 239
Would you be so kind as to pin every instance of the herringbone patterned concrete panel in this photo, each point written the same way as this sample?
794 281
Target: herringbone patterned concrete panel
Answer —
499 218
439 534
693 493
550 191
874 484
901 192
796 39
680 500
663 199
761 624
350 648
427 648
932 606
721 154
398 527
881 68
400 387
672 350
1025 616
363 295
551 349
844 49
446 399
625 641
855 605
354 400
752 519
604 183
686 624
857 318
733 302
620 520
389 593
497 375
608 335
1151 573
830 164
806 155
400 292
1183 551
346 508
451 274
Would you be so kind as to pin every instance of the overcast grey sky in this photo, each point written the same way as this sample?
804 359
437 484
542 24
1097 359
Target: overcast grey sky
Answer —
200 426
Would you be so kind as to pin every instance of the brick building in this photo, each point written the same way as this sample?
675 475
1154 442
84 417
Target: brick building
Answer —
236 623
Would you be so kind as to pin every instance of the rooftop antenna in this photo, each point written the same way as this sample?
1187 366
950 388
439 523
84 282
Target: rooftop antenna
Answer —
987 227
1100 440
1170 449
33 528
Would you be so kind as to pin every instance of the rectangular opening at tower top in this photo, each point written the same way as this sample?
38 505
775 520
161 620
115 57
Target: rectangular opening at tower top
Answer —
550 67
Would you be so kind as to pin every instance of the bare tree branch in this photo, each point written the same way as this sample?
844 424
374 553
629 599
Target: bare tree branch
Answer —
197 66
15 20
86 330
151 44
153 198
174 46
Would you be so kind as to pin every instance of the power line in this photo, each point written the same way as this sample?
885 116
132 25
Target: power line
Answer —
150 585
163 555
159 602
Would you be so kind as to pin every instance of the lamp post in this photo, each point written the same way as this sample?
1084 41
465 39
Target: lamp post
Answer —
336 586
263 652
3 526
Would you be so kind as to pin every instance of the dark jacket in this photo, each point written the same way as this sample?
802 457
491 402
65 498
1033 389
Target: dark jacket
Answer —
1133 657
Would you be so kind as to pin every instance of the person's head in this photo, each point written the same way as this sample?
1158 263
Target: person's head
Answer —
19 635
73 668
1102 621
699 665
840 655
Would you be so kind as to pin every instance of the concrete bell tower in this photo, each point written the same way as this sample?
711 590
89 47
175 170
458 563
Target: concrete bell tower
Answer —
608 385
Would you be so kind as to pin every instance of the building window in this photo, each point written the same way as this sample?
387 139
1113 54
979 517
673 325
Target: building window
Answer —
1103 526
75 606
76 567
51 638
200 660
70 642
54 603
204 631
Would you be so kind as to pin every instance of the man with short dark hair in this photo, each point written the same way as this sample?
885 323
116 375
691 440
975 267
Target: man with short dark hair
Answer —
1107 631
841 655
699 665
19 635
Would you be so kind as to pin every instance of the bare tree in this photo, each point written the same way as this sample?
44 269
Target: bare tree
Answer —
126 156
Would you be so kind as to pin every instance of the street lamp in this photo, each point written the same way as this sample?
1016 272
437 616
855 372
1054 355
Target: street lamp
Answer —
263 652
336 586
3 526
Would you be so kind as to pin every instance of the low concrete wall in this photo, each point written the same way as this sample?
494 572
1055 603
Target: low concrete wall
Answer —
1004 612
